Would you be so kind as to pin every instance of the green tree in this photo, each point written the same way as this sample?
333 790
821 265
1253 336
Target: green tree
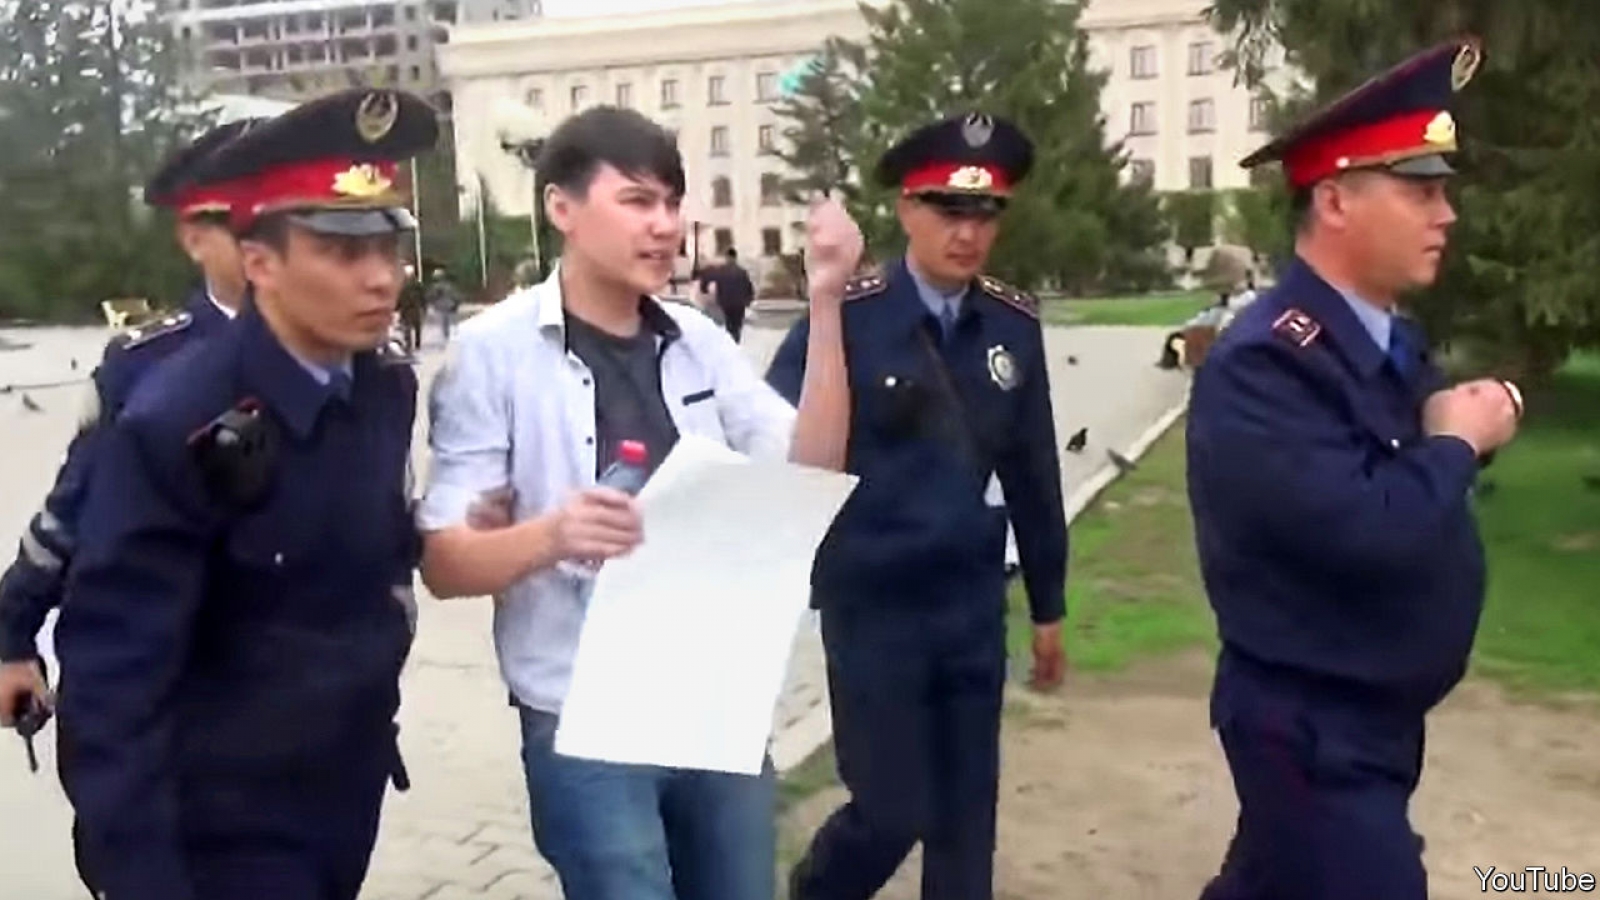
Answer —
1193 216
1255 219
1518 286
823 116
92 104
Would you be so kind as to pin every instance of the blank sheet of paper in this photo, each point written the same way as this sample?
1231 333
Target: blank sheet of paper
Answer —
686 641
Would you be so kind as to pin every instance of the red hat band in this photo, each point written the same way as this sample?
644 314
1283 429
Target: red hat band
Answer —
957 178
1397 138
206 198
322 183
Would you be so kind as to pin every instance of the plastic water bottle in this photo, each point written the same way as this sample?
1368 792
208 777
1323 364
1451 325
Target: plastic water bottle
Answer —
629 472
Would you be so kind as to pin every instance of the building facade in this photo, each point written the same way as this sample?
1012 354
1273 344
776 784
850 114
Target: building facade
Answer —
298 49
1184 120
710 73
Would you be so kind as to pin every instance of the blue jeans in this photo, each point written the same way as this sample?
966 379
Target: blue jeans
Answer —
629 832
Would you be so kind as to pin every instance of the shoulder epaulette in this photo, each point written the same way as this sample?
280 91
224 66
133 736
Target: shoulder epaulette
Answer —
865 286
1017 299
144 334
1296 327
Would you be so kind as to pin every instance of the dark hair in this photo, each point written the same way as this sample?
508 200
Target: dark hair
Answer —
732 253
621 138
271 229
214 218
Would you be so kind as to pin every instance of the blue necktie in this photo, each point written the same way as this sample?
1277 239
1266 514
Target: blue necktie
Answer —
1401 355
340 384
947 319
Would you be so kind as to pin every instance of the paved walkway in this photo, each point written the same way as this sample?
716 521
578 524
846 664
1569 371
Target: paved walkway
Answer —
461 831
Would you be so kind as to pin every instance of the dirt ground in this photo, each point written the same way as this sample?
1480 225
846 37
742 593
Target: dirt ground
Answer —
1117 788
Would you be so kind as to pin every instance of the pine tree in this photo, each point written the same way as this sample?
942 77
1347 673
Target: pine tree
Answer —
1519 279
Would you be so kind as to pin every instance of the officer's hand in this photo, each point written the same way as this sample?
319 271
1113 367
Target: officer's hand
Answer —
1479 412
492 510
833 251
598 524
20 681
1049 657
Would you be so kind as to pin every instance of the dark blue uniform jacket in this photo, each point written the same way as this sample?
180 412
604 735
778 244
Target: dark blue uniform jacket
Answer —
33 585
233 672
931 420
1337 541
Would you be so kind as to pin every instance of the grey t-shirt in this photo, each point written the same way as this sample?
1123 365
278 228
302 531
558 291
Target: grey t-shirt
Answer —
628 405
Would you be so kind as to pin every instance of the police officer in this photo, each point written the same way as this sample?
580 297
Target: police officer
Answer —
237 621
33 585
950 401
1329 474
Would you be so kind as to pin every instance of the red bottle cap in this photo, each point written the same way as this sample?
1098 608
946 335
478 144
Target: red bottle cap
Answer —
632 453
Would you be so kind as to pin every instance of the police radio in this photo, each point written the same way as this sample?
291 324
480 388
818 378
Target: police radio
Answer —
236 453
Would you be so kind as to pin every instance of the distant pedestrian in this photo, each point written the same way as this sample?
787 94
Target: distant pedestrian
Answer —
444 298
729 285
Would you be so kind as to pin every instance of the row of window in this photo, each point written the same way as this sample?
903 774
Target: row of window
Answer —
1202 116
1142 60
771 242
1199 172
771 190
671 96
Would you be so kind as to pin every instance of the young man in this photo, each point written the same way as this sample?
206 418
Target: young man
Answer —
238 615
950 402
538 393
1330 472
33 585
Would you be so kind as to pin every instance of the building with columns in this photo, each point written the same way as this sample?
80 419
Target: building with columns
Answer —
710 73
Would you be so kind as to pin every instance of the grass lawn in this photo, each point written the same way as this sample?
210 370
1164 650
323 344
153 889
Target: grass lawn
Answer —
1541 528
1151 309
1134 582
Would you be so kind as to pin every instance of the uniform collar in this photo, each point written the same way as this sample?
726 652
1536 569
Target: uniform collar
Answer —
1378 322
912 308
227 311
205 310
934 298
1302 287
280 380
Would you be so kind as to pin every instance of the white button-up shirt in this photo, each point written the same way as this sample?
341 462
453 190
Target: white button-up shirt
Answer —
513 406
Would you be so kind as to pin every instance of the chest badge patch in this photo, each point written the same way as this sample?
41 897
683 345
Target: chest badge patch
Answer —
1003 368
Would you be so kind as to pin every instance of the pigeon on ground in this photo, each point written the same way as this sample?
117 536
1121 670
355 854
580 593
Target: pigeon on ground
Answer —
1078 441
1123 463
29 405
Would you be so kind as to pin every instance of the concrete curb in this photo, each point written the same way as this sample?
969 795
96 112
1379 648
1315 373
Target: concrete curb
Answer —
795 745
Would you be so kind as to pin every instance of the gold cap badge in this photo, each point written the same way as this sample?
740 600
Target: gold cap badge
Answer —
1441 131
971 178
362 181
